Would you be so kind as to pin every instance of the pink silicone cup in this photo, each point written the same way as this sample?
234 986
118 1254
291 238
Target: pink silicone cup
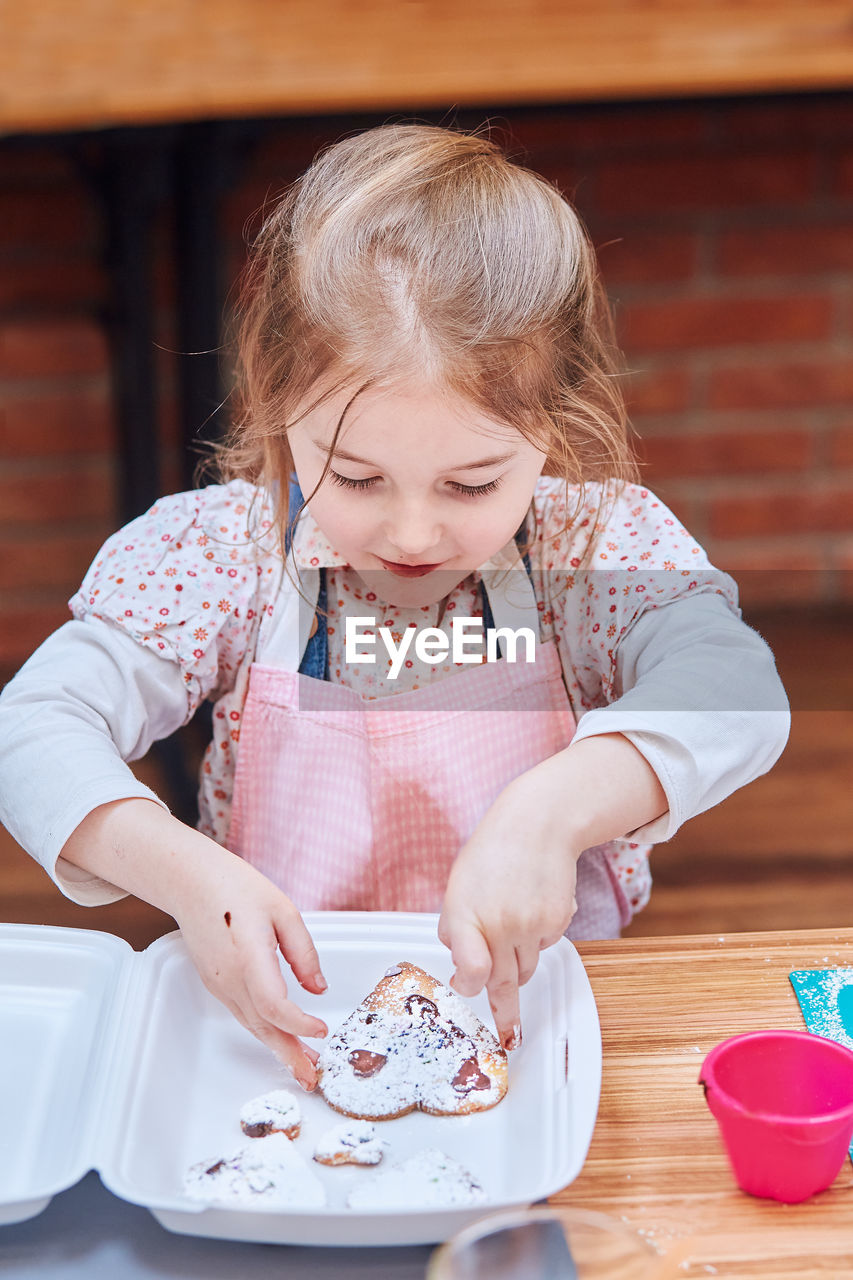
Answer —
784 1103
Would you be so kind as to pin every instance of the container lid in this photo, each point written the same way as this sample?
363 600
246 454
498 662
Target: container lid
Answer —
124 1062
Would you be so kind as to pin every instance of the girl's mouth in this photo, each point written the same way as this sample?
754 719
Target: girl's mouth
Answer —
409 570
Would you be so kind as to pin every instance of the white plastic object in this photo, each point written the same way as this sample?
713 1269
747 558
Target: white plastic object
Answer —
123 1062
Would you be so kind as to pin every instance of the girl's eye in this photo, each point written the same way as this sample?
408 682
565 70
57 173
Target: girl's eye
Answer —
346 483
475 490
467 490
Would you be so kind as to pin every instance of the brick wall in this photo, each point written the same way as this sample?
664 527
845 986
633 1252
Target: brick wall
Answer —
724 233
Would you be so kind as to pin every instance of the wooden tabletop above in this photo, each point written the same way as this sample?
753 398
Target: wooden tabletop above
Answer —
76 64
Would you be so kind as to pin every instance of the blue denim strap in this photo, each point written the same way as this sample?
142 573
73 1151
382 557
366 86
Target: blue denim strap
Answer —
315 660
488 617
294 502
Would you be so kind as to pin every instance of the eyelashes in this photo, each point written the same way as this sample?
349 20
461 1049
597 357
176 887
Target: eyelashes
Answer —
346 483
476 490
466 490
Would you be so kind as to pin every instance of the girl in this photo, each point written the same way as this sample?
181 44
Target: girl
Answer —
425 356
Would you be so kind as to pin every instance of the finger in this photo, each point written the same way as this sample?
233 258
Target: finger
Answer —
297 947
527 958
267 995
471 957
299 1059
503 997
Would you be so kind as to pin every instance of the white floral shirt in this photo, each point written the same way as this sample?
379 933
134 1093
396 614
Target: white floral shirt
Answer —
192 579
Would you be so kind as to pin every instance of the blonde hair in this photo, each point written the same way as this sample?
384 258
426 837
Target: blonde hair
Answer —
417 250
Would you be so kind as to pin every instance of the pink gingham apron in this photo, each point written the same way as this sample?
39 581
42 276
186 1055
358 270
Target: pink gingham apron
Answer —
350 803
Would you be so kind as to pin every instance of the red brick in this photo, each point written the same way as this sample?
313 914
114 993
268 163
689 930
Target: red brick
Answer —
70 423
172 473
783 511
285 151
658 391
726 452
716 322
842 179
706 181
769 575
24 625
35 161
841 446
70 493
648 257
245 208
56 216
645 125
843 555
792 116
779 385
842 562
810 249
235 258
48 560
50 282
50 347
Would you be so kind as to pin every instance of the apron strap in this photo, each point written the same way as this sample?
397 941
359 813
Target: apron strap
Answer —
315 660
314 649
488 616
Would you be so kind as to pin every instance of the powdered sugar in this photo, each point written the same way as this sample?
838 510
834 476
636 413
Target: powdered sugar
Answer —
265 1173
428 1179
824 996
412 1043
274 1112
352 1143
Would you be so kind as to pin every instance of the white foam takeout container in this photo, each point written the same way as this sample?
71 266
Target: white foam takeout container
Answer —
121 1061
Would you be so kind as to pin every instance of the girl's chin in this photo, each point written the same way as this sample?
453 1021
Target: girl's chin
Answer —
412 593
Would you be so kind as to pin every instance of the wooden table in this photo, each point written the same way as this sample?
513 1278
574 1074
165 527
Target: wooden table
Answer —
95 63
656 1160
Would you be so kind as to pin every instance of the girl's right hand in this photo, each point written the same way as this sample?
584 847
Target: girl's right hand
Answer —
233 932
233 919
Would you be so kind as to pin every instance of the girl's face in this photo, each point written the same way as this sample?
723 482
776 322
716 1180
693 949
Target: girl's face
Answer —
423 487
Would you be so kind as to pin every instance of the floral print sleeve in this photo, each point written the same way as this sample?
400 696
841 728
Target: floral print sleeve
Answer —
189 581
606 570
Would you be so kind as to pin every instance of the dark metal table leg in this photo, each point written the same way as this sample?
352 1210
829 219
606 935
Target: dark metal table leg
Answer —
135 188
202 161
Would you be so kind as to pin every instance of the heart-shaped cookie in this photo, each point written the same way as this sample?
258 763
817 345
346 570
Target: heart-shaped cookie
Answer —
412 1043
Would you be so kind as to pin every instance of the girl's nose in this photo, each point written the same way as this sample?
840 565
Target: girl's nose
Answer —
414 531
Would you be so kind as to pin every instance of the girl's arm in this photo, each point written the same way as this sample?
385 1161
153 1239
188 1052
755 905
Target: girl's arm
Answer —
87 700
232 918
511 891
698 694
700 712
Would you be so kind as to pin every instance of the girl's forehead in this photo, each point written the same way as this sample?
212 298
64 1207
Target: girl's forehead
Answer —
370 409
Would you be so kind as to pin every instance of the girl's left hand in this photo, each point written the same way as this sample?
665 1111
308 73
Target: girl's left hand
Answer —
510 894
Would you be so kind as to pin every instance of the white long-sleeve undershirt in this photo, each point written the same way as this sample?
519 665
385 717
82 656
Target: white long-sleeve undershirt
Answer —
699 697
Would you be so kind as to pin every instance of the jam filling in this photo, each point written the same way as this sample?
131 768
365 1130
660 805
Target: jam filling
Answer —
427 1008
470 1077
258 1130
364 1063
